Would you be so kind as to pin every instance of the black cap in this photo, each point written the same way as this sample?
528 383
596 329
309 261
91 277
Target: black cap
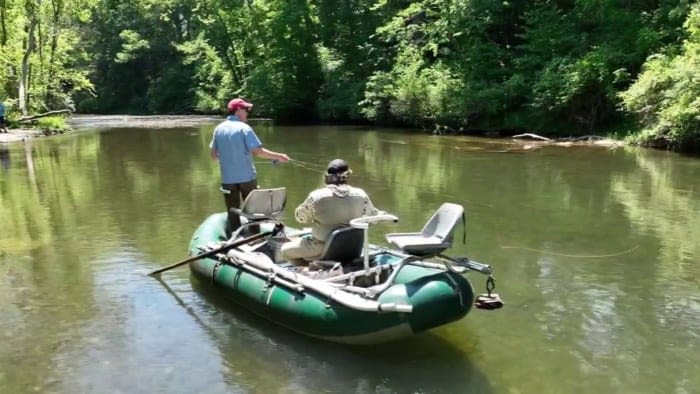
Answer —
337 166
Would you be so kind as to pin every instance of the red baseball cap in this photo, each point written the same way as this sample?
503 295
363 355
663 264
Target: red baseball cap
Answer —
238 103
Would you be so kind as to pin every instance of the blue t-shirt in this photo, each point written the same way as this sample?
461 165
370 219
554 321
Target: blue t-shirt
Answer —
234 141
2 109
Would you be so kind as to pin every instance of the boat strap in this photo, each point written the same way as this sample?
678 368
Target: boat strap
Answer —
215 269
455 287
271 275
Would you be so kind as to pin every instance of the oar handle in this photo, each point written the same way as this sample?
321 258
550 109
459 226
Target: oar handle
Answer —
213 252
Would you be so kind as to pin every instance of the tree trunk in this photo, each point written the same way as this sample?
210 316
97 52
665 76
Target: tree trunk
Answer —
231 63
24 75
57 6
3 23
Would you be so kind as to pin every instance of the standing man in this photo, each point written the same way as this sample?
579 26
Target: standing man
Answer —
234 144
3 123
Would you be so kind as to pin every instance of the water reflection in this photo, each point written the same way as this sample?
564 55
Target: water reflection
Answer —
294 363
4 156
659 200
595 253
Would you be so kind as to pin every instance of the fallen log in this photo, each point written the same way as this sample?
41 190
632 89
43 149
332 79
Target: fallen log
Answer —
33 117
532 136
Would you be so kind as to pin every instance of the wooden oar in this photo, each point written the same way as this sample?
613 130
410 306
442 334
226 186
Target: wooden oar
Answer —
213 252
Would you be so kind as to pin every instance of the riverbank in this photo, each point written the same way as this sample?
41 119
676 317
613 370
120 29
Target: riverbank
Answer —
86 121
522 142
76 122
534 141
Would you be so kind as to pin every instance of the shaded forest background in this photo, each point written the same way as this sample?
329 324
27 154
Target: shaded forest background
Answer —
557 67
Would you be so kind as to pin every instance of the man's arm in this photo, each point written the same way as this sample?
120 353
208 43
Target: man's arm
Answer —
268 154
368 209
305 212
214 154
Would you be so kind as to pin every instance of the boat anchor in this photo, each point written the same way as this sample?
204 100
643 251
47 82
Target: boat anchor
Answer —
489 300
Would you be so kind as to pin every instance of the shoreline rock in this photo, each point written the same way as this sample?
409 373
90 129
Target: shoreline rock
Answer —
529 139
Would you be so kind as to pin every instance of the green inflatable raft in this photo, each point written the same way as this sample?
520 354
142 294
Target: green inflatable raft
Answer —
355 292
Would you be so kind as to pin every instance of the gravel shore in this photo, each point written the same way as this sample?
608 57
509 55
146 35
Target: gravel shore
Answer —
20 135
110 121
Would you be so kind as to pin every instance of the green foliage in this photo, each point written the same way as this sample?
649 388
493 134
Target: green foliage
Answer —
286 84
340 93
543 66
213 82
40 45
414 92
52 124
666 96
132 44
135 60
348 53
537 65
378 95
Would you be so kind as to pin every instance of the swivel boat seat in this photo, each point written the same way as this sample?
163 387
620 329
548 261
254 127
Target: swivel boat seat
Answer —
259 206
436 235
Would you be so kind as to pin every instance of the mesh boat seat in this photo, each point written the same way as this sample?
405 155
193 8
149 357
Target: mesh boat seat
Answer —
261 205
436 235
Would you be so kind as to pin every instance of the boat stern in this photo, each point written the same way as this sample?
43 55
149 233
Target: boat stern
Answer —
437 299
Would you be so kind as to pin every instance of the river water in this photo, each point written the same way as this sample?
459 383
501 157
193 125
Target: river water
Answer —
596 254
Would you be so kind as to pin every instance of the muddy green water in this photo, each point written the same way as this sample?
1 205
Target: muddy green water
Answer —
596 254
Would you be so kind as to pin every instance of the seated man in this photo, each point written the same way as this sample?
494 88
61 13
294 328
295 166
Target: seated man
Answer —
326 209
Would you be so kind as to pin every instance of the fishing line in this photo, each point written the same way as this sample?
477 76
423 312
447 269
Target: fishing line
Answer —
317 168
308 166
579 256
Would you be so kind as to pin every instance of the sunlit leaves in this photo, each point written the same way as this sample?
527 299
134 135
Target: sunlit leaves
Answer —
46 59
132 43
666 95
535 65
210 74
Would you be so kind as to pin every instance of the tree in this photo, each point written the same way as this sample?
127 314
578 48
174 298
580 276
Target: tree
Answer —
666 96
39 41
